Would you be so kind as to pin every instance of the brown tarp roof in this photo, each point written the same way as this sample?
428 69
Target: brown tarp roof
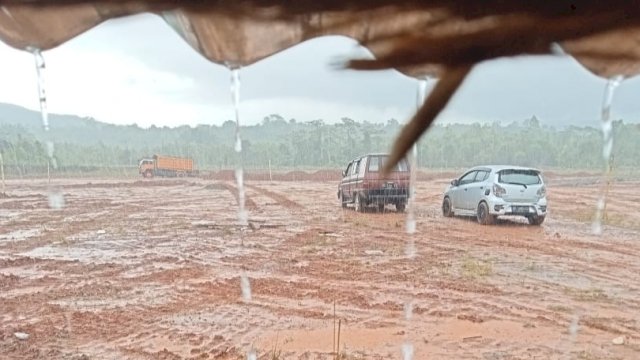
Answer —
437 38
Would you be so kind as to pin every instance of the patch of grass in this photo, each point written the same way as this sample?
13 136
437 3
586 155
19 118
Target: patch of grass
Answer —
531 266
587 295
588 355
560 308
472 267
610 218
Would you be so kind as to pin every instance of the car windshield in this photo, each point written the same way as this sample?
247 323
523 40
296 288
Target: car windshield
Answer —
519 177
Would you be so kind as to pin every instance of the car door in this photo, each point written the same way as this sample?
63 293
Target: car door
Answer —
460 192
475 190
354 186
344 184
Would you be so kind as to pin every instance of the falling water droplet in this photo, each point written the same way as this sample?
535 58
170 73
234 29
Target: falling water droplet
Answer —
607 148
50 149
556 49
42 96
245 287
238 146
573 326
56 199
235 96
407 351
252 355
408 310
411 224
243 215
410 248
596 227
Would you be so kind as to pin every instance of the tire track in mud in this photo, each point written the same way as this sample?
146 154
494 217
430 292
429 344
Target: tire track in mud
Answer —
188 305
249 204
278 198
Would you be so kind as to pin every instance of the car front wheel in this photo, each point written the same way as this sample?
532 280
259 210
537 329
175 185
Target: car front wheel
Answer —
483 215
342 200
446 207
536 220
400 207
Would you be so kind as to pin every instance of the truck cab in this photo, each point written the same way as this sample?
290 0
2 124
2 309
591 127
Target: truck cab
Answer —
145 167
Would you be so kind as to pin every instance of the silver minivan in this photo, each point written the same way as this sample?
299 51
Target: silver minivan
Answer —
487 192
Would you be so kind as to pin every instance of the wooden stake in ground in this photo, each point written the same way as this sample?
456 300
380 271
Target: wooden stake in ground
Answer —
333 347
338 343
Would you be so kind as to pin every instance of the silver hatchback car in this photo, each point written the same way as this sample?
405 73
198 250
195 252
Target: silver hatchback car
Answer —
487 192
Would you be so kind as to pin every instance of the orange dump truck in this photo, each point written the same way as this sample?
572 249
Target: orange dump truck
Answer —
166 166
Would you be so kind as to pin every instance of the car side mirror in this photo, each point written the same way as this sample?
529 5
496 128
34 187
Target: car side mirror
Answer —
344 173
454 182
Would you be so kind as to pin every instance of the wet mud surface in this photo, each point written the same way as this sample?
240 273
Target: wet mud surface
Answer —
151 270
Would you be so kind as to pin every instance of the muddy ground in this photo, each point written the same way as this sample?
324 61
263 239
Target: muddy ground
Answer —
132 269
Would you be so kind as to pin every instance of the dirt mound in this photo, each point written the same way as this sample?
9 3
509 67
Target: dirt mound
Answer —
297 175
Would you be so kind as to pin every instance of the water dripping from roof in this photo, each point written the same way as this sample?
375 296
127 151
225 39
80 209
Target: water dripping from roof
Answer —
607 149
55 196
235 96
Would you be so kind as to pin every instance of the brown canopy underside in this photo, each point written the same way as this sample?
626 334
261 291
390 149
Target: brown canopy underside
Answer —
437 38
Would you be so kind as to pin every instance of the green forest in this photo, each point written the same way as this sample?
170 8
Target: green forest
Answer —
84 144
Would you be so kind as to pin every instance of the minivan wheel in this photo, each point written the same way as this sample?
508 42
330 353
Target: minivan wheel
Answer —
483 215
358 203
535 220
400 207
446 207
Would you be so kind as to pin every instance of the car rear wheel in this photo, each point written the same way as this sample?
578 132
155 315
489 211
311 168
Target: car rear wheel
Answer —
535 220
446 207
483 215
381 207
358 203
400 207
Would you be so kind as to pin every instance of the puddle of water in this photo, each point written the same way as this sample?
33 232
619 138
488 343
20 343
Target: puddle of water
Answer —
87 255
140 297
19 235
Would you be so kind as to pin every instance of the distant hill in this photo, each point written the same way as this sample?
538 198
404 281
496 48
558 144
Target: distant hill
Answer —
72 129
86 142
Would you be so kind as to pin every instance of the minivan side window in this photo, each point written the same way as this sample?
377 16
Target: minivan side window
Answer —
355 167
363 166
348 171
374 163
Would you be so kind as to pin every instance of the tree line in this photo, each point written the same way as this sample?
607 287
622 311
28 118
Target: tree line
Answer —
288 144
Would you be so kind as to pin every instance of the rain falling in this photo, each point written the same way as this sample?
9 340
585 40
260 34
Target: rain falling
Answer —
193 224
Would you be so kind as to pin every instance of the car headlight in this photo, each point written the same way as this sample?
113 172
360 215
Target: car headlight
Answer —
542 192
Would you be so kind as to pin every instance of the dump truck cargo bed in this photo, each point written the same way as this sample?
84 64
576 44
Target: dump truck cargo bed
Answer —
173 163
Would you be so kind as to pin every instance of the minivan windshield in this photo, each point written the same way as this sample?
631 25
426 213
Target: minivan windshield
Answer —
519 177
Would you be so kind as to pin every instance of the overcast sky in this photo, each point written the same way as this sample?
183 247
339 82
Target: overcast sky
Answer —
138 70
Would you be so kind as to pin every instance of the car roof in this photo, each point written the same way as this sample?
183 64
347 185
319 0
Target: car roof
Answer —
496 168
370 154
